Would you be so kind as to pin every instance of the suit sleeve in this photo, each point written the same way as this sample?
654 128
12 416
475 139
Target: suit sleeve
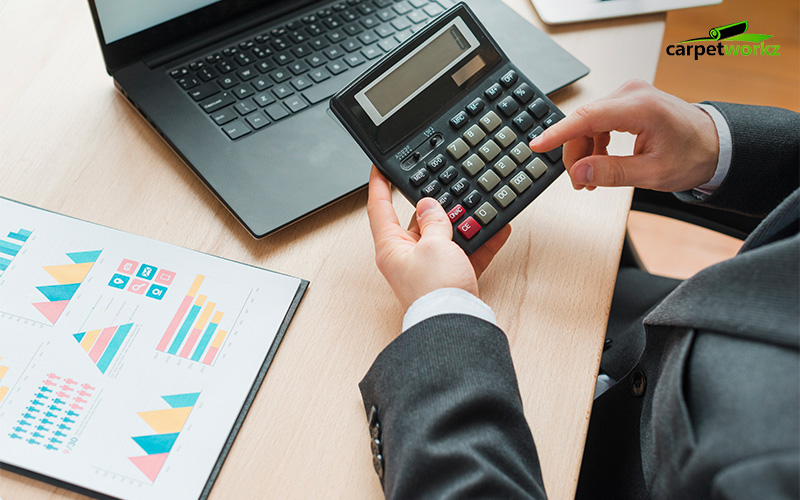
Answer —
450 414
764 162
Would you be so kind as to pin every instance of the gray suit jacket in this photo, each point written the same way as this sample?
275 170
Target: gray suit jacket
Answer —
707 403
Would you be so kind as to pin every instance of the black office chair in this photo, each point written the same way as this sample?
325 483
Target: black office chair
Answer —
666 204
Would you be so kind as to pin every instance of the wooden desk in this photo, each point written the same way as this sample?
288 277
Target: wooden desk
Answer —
70 143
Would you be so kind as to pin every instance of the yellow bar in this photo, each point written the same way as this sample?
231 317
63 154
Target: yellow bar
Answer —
3 371
196 285
219 338
201 299
3 391
88 340
217 317
201 323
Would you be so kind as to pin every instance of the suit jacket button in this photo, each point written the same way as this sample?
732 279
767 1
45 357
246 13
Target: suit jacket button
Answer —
373 416
376 447
375 431
638 384
377 462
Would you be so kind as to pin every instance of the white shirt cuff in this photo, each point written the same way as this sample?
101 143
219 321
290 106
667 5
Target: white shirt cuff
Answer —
725 152
447 301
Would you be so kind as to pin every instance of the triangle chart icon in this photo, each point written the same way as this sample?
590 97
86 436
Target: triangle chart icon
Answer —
150 465
52 310
69 273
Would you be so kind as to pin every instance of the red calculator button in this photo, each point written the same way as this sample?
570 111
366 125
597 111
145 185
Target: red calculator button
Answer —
456 213
469 228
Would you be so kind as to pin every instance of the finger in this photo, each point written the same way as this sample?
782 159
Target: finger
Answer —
594 171
601 143
433 221
573 151
483 256
382 217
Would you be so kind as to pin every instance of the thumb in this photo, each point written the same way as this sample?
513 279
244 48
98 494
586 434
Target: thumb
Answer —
611 171
433 221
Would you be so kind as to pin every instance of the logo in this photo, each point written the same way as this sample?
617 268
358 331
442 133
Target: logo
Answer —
737 43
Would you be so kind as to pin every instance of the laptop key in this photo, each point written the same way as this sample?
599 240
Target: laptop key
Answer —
177 73
247 73
315 61
298 68
217 102
368 37
353 29
257 121
242 91
188 82
236 129
388 44
264 99
265 66
245 107
336 68
319 43
276 111
319 75
224 116
372 52
227 82
301 83
203 91
280 75
224 67
295 103
206 74
282 91
355 60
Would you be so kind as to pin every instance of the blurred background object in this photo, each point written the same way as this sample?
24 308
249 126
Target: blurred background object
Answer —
673 248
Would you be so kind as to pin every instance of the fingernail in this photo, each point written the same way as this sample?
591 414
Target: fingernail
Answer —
426 205
583 174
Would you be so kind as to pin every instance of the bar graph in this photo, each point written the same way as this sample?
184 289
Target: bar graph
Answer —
194 330
10 246
103 345
3 388
167 424
69 278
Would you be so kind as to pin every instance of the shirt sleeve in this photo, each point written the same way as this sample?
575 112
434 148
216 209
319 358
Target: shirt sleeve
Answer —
447 301
725 152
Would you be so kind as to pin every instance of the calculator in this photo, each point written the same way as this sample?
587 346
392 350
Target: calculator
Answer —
447 115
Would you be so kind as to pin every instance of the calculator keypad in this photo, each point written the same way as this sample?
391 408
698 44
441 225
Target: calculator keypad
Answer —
488 168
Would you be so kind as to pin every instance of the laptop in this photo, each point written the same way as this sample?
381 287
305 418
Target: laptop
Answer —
239 89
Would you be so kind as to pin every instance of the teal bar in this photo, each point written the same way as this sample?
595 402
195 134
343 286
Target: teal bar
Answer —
173 349
181 400
84 257
20 236
4 263
157 443
113 347
9 248
204 342
56 293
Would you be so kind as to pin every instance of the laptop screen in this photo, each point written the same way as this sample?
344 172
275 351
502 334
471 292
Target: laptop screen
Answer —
121 19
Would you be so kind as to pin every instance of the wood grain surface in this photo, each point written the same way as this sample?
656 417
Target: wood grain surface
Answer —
70 143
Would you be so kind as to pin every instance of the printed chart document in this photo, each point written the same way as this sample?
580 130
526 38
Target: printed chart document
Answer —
127 365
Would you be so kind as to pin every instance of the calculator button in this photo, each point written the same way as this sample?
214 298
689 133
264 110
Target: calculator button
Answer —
550 121
486 213
445 200
524 122
236 129
474 135
472 199
473 165
458 149
524 93
536 168
508 106
460 187
535 133
489 151
521 182
554 155
419 177
539 108
476 106
431 189
493 92
469 228
489 181
505 137
491 121
509 79
459 120
437 163
504 196
520 153
456 213
448 175
505 166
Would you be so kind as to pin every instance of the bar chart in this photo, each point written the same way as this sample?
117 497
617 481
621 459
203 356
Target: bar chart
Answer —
194 332
102 345
69 277
10 246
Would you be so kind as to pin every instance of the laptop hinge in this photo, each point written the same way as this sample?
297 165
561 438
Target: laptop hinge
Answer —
217 34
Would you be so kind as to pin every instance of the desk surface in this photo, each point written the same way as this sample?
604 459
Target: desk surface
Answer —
70 143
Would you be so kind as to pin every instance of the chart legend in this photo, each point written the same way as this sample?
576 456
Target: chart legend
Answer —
69 278
103 345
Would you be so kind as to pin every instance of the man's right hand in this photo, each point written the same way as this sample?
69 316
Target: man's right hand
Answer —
676 149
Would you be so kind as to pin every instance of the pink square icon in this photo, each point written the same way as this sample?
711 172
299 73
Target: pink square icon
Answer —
128 267
165 277
138 286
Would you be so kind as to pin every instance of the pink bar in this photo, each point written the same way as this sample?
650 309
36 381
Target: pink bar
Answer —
101 343
189 345
162 346
210 354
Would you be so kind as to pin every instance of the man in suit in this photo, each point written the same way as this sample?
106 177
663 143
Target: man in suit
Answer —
705 401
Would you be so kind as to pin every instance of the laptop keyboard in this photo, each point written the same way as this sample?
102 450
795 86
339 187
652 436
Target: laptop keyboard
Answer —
261 80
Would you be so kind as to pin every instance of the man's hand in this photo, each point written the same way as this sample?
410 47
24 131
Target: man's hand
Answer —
676 145
424 257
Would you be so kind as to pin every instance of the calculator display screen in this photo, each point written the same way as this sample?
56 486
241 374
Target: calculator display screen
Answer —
417 71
